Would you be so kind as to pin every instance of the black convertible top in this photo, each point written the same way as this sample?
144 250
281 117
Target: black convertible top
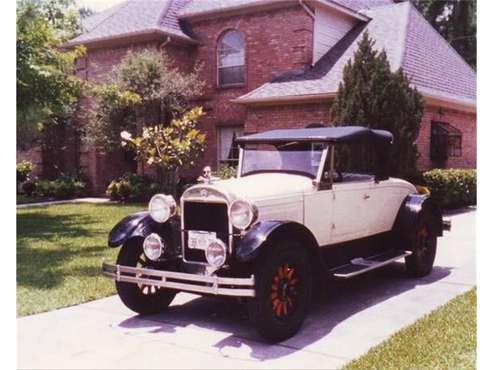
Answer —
320 134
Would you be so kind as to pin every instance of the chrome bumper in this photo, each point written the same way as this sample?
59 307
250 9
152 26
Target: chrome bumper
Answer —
236 287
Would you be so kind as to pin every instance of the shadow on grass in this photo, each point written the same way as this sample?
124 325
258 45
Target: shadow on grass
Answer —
47 242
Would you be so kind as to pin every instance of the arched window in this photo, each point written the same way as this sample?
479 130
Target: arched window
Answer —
231 59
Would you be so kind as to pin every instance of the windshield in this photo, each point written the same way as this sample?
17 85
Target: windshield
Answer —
298 158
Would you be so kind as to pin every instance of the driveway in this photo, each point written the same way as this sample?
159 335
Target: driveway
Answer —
199 332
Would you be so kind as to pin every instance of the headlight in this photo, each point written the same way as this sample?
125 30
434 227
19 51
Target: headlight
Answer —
242 214
153 246
162 207
215 253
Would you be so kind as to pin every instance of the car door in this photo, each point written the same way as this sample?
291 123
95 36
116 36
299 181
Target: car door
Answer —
350 209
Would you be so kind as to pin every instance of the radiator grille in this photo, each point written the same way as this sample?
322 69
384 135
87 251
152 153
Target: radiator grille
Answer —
204 217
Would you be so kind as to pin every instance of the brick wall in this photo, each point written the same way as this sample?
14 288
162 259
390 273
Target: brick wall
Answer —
465 122
298 116
287 116
276 41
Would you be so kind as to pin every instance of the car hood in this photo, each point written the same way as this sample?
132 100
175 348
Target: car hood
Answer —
265 186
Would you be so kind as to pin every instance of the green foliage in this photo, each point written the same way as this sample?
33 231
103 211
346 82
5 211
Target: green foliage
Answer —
171 147
370 94
132 187
29 187
456 21
452 188
225 172
47 90
24 170
65 186
144 89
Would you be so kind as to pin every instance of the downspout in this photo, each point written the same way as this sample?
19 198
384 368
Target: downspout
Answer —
164 43
312 15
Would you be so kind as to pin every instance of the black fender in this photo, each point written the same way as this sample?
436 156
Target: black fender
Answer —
140 224
264 233
412 209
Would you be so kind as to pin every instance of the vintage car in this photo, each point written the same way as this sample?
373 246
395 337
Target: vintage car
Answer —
301 210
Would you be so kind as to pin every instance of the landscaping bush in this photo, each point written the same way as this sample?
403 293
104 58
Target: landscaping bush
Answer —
225 172
66 186
24 170
452 188
132 187
29 187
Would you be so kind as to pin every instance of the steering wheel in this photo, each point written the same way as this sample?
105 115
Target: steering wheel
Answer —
338 176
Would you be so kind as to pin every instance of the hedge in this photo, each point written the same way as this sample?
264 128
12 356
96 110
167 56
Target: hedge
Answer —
452 188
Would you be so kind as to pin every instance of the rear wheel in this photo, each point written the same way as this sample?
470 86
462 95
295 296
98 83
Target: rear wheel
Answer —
141 298
420 263
283 283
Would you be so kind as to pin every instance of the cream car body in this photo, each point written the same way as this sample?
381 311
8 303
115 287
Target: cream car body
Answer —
348 211
297 214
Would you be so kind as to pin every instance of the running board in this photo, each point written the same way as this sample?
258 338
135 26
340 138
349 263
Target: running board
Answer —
361 265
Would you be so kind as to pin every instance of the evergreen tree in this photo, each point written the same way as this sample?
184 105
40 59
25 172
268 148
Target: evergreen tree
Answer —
456 22
371 95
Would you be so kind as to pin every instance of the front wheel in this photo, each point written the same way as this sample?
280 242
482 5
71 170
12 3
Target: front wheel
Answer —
140 298
283 281
420 263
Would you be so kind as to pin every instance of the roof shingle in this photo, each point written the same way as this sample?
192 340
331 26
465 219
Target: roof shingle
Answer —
409 41
133 17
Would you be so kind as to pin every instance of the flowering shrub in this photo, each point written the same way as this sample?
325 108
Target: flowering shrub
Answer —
169 147
24 170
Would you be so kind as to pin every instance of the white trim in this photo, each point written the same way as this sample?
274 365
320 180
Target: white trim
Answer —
343 9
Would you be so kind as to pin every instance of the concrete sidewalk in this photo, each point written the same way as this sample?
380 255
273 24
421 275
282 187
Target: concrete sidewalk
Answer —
214 333
68 201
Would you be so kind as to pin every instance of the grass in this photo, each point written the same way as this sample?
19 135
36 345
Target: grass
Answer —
59 253
24 199
443 339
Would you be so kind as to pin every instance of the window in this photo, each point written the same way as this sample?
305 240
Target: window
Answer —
353 162
228 149
446 141
293 157
231 59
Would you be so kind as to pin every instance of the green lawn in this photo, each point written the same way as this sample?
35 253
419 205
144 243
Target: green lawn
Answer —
24 199
59 253
444 339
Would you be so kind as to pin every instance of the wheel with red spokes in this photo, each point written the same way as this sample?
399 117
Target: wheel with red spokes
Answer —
141 298
420 263
283 285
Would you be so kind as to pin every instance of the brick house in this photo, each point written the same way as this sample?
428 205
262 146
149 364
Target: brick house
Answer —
273 64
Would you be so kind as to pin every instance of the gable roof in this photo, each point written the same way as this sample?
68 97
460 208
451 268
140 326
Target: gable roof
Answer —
410 42
134 18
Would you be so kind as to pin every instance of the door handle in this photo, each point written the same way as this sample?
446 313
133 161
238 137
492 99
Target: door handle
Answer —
366 196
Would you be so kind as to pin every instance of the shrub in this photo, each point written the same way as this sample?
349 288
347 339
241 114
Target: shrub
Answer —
452 188
225 172
132 187
24 170
29 187
66 186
